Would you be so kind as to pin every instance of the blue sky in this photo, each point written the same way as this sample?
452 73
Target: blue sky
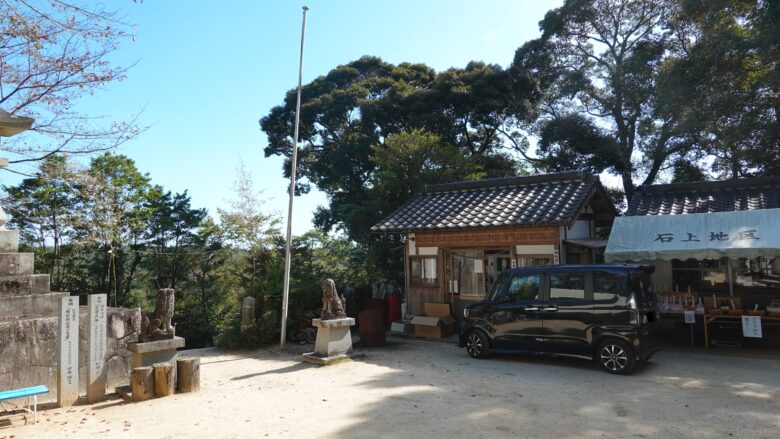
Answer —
207 71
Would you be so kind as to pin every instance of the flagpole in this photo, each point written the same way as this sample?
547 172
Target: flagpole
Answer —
293 165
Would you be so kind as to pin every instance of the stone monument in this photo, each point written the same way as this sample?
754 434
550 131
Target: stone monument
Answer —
247 313
158 341
68 349
96 347
334 339
158 326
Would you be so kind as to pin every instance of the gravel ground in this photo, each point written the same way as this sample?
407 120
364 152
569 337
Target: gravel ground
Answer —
420 389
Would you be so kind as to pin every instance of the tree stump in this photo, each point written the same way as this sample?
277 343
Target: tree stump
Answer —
164 379
142 383
188 374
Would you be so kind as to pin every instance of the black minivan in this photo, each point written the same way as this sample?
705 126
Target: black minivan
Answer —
606 312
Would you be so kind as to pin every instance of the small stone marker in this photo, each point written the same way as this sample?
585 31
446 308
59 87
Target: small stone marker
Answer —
247 313
68 349
96 348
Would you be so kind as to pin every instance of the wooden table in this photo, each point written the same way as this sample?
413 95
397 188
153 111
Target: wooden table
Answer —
709 318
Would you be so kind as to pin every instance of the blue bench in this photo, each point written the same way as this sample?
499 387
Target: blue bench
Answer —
26 392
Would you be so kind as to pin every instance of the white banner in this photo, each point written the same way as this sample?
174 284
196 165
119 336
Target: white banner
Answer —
743 234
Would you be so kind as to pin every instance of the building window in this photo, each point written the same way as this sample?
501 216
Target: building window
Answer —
534 260
423 271
468 273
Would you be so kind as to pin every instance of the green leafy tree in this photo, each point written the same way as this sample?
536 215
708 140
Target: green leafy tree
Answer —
171 233
599 63
253 267
404 165
349 114
42 208
206 303
114 198
726 86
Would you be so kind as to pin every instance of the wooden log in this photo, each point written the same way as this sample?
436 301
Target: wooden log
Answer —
188 374
142 383
164 379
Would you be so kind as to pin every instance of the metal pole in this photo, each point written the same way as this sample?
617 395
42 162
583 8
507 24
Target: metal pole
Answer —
293 165
730 274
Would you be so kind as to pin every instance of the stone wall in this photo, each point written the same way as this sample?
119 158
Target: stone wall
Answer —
28 351
29 327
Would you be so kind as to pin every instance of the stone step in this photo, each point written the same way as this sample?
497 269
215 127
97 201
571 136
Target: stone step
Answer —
22 285
9 241
30 306
16 264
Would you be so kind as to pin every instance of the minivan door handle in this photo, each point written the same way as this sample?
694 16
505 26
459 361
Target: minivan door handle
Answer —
530 308
550 308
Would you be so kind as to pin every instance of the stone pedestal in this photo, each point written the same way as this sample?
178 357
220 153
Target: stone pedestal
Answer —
334 341
158 351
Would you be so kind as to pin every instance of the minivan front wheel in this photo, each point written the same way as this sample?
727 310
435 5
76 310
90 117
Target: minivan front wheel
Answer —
616 356
477 344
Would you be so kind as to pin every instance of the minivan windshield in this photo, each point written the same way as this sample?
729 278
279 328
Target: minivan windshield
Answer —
495 292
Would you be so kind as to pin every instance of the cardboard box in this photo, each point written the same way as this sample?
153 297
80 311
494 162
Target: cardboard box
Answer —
400 327
435 323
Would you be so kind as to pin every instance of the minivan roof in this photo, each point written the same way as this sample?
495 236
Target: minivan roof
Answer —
649 269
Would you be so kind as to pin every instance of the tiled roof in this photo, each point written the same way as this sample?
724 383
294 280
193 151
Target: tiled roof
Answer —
706 196
550 199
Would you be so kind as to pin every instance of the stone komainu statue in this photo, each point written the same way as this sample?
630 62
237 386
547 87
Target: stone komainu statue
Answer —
333 306
158 325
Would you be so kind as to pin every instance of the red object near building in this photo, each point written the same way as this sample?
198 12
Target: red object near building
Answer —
372 327
393 308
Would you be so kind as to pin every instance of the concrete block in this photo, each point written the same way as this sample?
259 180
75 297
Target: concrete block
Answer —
158 351
21 285
9 241
16 264
15 307
32 305
44 342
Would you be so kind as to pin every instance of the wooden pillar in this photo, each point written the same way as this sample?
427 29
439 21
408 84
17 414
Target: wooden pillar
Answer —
142 383
188 374
730 275
164 379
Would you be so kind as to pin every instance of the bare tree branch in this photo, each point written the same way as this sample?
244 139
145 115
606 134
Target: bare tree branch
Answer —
52 53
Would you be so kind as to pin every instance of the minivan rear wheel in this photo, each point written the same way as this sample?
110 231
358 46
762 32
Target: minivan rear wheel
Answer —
477 344
616 356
